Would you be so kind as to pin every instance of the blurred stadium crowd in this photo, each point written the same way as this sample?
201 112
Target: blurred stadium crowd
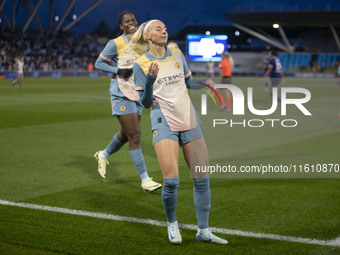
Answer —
47 52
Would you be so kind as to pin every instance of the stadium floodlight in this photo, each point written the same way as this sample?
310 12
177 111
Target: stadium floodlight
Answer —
74 16
237 33
56 18
276 26
207 32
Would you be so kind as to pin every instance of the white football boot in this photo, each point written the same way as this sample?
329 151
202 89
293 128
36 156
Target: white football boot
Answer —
173 233
205 235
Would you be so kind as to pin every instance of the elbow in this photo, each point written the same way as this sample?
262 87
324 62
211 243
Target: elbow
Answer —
188 81
96 65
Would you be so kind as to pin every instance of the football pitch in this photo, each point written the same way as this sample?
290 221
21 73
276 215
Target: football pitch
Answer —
53 201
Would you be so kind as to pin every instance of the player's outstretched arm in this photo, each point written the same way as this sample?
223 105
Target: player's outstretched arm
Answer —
198 83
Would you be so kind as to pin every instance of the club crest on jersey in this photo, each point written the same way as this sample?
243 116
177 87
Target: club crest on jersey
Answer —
155 133
122 108
178 65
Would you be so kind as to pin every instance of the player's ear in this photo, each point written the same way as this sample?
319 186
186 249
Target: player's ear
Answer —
146 36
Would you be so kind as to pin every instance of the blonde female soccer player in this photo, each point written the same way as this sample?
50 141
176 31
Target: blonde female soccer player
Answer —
116 59
163 76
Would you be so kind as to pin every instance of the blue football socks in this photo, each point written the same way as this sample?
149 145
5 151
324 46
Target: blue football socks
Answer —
202 201
138 161
113 146
169 197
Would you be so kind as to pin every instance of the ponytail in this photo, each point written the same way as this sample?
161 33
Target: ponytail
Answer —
137 44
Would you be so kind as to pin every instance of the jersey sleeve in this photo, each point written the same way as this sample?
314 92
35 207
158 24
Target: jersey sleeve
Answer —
139 76
105 61
187 72
271 63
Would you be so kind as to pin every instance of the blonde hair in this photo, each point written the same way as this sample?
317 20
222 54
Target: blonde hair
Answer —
231 60
227 56
138 45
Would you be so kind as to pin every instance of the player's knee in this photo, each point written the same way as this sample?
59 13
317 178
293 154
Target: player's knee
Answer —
134 138
170 184
201 184
122 137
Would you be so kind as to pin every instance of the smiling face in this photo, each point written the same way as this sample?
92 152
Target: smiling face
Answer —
157 33
128 24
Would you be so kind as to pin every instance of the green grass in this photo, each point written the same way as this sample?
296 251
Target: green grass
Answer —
50 129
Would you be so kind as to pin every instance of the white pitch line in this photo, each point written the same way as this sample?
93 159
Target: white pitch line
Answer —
334 242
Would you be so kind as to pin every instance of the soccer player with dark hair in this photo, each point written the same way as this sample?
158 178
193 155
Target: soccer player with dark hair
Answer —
116 59
274 72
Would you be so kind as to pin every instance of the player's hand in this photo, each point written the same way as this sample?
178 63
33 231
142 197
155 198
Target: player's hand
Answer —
125 72
153 69
266 80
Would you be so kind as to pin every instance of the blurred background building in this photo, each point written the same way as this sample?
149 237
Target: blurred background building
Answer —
57 37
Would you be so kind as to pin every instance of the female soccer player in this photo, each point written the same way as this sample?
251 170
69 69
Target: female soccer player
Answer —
19 62
163 76
124 100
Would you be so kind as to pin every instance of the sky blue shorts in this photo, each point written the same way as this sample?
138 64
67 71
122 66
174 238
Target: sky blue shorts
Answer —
161 130
123 106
